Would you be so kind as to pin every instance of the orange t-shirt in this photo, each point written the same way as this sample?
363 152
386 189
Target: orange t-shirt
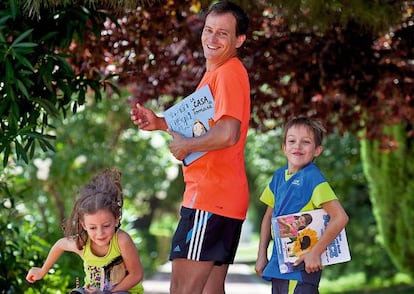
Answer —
217 182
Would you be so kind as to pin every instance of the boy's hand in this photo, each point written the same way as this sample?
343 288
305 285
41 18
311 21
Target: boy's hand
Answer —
260 265
312 262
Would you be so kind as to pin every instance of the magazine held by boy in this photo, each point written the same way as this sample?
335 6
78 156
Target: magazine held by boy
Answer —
295 234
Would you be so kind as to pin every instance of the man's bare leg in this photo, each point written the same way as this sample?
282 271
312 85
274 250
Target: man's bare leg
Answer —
216 279
189 276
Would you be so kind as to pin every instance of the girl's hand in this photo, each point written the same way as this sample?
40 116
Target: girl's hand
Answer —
92 290
34 274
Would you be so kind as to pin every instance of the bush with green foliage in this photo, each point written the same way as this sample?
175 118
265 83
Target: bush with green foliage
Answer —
37 81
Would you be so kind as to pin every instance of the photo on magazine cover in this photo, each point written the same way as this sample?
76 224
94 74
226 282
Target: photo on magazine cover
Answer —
295 234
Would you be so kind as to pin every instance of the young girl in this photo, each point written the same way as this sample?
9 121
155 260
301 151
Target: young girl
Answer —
289 226
299 186
111 260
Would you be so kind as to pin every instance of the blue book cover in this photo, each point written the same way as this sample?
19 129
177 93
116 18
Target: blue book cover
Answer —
295 234
192 117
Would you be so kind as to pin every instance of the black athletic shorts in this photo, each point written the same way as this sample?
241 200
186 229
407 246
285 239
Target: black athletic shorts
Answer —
204 236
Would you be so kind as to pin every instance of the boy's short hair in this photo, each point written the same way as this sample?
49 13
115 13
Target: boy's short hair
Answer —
314 125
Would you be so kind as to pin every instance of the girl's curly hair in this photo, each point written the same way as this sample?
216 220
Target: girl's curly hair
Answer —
103 192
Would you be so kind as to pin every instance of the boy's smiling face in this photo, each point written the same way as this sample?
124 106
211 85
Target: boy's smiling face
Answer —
300 147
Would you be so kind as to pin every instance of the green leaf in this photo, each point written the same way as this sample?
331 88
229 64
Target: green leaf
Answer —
97 90
48 36
14 9
6 154
42 145
45 74
32 147
4 19
27 78
4 105
21 37
114 87
81 96
47 145
48 106
3 142
14 114
2 37
25 45
67 92
9 70
23 60
21 153
65 66
35 135
29 143
22 88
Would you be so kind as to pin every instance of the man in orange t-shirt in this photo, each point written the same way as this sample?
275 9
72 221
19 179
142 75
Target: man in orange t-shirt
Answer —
216 182
216 196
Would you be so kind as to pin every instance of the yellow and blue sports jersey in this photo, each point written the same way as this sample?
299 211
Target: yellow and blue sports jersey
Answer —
303 191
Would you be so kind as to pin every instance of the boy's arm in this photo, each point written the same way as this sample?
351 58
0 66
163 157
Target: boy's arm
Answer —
62 245
265 237
338 220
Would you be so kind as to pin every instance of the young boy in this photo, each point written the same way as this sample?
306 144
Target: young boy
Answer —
295 187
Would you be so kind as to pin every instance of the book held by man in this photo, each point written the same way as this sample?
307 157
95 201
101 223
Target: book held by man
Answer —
295 234
192 117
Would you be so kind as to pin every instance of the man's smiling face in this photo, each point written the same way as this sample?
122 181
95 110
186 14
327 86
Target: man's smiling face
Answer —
219 38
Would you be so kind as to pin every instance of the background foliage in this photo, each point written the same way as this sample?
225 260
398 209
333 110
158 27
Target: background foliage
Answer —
43 192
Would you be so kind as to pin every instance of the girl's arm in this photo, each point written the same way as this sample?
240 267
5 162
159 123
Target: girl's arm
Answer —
285 228
62 245
265 237
338 220
132 263
283 221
